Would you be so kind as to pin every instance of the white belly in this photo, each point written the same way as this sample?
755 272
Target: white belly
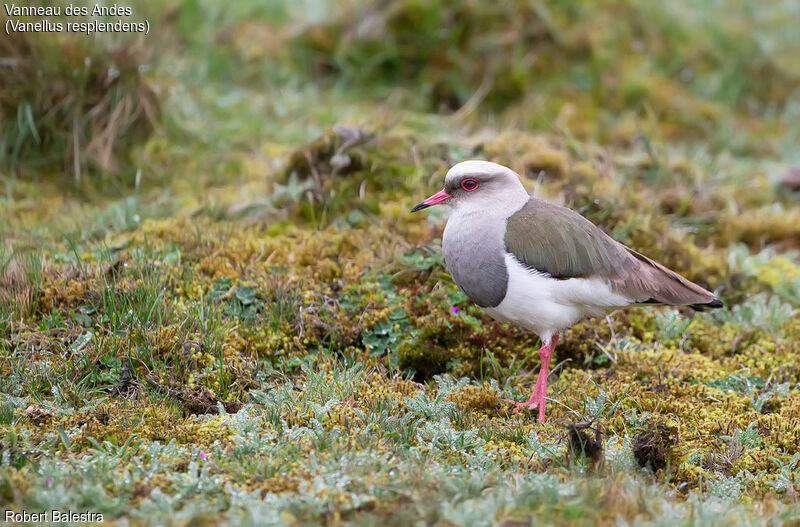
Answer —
546 306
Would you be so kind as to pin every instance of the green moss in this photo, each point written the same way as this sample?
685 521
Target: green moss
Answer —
427 355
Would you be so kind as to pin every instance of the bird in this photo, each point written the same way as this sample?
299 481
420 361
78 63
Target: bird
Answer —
542 266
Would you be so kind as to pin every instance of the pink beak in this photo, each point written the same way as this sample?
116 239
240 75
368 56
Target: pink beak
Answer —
431 201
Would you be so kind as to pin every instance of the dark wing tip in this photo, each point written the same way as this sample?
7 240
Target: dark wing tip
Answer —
714 304
650 300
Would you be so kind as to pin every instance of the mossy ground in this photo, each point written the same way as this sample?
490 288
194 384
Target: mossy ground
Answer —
250 328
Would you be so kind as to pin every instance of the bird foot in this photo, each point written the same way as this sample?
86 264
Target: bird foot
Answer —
528 405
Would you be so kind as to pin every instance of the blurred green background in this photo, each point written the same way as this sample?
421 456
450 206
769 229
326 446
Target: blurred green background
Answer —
266 76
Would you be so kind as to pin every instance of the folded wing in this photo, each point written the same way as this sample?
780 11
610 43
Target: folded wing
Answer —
563 244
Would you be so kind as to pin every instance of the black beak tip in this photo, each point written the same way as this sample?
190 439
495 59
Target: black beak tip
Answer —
420 206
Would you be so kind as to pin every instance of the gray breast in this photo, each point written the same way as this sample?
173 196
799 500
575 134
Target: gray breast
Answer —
475 256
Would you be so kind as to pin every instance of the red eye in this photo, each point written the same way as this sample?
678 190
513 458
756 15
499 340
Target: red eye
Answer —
469 185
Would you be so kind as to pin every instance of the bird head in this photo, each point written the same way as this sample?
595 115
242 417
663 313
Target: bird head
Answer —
478 185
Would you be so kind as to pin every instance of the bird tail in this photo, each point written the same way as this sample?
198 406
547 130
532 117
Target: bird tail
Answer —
667 287
714 304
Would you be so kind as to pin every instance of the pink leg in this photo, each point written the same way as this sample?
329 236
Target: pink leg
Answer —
540 390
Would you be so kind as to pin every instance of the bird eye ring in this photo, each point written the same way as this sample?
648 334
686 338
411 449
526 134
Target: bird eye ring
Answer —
469 185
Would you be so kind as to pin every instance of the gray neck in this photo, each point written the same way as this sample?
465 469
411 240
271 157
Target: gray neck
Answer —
473 241
474 253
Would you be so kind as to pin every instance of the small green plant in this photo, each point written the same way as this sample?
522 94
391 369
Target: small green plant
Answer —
603 405
244 304
727 487
433 409
748 438
787 477
384 337
737 382
766 313
671 325
778 391
422 261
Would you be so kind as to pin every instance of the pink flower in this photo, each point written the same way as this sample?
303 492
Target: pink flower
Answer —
202 455
49 481
454 310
